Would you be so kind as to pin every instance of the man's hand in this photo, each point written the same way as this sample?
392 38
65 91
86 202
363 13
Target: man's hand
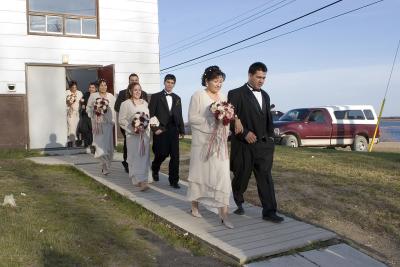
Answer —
238 126
251 137
159 131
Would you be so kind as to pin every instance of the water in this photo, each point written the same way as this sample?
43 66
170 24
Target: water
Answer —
390 130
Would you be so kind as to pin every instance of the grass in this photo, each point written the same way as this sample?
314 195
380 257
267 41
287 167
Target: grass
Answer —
67 219
355 194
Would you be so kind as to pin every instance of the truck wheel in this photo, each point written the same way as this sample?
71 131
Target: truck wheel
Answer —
360 144
290 140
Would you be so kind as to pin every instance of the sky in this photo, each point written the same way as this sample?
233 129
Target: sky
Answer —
343 61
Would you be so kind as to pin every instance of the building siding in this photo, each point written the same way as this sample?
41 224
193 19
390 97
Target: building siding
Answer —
128 38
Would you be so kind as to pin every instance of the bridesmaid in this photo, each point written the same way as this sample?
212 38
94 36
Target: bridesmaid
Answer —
209 176
73 98
137 144
102 125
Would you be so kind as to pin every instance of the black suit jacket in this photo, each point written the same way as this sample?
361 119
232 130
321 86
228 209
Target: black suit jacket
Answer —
253 118
159 107
122 96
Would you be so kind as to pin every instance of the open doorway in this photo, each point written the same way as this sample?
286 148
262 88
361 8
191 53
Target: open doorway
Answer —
47 112
84 75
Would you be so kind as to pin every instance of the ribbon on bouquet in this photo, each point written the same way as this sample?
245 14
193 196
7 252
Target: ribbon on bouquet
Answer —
141 144
97 125
218 142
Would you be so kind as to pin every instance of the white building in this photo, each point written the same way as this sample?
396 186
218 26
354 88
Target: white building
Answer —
45 43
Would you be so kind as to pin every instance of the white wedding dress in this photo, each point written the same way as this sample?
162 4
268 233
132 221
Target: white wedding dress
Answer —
209 177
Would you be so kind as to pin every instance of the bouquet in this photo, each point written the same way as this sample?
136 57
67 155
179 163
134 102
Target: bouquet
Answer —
140 123
224 113
71 99
100 106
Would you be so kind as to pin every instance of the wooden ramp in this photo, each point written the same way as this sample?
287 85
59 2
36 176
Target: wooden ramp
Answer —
252 238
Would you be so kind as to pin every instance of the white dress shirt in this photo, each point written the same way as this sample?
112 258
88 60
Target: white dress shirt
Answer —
169 99
257 94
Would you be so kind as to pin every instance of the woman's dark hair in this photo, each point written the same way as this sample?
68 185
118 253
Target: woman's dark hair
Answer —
93 83
211 73
101 80
72 83
133 75
256 67
130 87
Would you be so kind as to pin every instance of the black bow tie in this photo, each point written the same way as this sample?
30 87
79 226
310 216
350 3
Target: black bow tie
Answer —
253 89
167 94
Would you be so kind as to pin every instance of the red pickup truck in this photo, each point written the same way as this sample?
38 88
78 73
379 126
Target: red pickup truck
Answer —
328 126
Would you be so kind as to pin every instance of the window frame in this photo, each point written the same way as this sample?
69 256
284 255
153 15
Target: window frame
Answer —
64 17
347 111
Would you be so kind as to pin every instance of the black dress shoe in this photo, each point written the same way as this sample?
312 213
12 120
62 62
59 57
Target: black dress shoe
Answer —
273 218
156 178
175 185
126 166
239 211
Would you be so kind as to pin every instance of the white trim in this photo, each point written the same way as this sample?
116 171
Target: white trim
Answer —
342 141
316 142
326 142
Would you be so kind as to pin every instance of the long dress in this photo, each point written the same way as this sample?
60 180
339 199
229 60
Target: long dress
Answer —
73 115
139 165
209 175
103 130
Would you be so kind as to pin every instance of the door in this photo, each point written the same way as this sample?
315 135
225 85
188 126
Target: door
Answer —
317 129
47 113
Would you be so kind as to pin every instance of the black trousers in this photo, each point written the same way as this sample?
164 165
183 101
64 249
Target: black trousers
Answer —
164 145
124 148
85 129
257 158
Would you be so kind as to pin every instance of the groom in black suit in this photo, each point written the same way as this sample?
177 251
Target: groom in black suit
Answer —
252 150
167 107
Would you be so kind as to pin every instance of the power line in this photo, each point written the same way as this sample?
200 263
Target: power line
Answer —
229 28
251 37
289 32
220 24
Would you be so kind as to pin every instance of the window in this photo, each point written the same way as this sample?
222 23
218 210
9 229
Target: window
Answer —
349 115
295 115
60 17
368 114
317 116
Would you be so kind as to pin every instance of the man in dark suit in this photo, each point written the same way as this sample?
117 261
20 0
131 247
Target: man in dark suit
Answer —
167 107
252 150
122 96
85 123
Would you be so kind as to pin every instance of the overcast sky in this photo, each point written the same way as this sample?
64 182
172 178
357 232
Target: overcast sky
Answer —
346 60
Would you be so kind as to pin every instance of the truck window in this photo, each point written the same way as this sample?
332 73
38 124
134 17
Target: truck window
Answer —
295 115
349 115
368 114
317 116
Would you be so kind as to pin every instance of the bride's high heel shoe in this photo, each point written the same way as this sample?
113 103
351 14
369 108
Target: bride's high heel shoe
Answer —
196 214
227 223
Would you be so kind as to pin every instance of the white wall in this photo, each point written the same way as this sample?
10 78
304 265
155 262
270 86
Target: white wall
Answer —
128 39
